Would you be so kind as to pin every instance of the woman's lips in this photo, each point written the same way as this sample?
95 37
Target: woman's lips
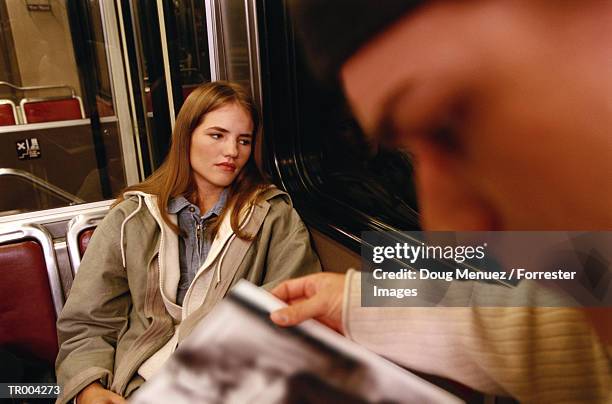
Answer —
227 167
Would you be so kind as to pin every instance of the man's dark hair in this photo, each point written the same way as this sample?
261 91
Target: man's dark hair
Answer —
332 30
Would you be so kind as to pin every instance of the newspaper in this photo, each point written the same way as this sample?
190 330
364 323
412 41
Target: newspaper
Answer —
237 355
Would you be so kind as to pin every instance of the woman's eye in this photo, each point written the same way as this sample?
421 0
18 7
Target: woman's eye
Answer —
244 142
216 135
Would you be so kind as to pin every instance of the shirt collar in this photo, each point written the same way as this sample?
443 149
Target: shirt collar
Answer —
178 203
220 203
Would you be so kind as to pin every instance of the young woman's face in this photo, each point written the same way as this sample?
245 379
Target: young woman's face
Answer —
220 147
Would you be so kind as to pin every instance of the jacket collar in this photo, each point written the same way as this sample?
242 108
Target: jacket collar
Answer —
168 245
168 256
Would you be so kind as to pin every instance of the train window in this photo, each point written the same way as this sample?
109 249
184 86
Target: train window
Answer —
63 138
343 184
185 43
147 57
102 74
355 172
191 48
236 55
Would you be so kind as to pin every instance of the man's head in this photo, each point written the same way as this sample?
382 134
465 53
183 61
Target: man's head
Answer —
505 105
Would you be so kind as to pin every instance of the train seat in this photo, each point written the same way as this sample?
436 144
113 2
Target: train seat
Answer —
31 292
105 106
51 109
84 239
8 113
79 232
148 100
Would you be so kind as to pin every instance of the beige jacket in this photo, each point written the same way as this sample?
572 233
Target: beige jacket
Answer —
534 354
120 321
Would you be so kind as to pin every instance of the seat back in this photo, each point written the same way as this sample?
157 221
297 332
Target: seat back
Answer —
31 292
79 233
8 114
52 109
84 238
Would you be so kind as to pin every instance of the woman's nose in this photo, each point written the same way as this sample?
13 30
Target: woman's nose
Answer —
230 148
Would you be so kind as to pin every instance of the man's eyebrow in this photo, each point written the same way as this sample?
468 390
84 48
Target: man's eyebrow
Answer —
385 129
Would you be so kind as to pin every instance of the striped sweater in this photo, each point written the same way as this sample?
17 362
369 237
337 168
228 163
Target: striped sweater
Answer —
534 354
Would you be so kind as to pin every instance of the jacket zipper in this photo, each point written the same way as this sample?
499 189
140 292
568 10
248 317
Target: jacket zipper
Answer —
199 241
147 353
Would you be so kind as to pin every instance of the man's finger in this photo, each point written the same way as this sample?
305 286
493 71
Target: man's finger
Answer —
293 288
297 313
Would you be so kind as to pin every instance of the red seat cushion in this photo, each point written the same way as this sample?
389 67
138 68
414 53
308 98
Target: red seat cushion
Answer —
7 116
148 101
105 107
27 315
84 238
52 110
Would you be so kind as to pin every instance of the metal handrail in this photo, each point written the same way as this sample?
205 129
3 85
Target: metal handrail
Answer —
42 183
31 88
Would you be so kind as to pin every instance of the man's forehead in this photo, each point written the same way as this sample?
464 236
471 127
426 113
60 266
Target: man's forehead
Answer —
368 77
426 45
380 68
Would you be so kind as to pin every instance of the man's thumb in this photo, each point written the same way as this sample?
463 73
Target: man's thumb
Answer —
296 313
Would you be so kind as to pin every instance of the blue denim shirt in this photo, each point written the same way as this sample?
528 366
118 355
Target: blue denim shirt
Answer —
193 246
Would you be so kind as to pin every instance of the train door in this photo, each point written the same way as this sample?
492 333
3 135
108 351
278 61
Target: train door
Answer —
66 136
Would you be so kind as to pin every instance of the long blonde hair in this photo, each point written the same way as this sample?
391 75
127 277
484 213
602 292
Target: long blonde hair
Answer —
174 177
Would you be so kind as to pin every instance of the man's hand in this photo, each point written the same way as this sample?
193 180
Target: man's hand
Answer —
95 393
317 296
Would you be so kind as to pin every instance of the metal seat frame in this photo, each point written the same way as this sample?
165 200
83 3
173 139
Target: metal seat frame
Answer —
76 226
21 232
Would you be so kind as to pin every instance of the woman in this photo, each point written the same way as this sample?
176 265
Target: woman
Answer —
172 247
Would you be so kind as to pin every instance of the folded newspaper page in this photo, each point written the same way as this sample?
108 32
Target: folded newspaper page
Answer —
237 355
